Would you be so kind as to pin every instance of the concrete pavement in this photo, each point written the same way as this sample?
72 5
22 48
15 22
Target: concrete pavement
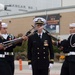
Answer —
55 70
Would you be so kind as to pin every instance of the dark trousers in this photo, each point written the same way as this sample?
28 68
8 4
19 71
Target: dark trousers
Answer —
12 67
4 68
40 71
65 68
10 61
68 68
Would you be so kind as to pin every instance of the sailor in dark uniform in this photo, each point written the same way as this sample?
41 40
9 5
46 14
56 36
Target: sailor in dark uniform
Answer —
40 50
9 55
4 66
71 41
68 67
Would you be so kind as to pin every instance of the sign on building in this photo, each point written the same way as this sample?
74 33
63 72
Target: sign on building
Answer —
53 22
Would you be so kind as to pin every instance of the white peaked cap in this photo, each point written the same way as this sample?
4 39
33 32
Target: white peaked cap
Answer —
39 18
4 25
72 25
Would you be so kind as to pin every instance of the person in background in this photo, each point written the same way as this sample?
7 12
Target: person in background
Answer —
40 50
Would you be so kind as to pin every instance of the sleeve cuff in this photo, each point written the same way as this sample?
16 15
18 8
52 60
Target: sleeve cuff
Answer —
29 62
51 61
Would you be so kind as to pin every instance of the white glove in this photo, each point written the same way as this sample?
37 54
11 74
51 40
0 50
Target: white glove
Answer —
50 66
30 67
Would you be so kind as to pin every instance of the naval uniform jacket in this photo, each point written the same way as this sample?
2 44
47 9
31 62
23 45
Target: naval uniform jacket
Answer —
71 41
4 66
39 51
9 50
9 55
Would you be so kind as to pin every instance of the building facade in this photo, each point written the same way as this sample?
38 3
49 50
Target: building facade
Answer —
23 24
25 6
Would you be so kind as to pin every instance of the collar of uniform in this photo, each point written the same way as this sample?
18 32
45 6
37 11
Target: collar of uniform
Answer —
40 33
4 36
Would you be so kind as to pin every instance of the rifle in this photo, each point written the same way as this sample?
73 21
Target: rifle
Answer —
10 43
46 31
51 35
